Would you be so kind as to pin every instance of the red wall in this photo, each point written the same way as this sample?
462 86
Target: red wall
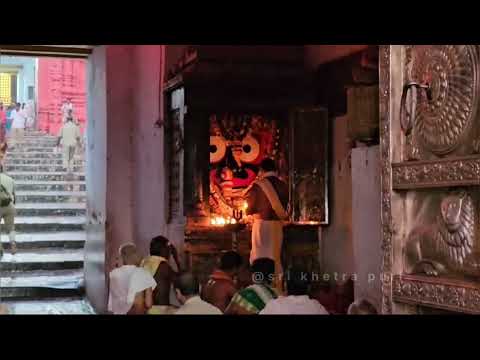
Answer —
59 79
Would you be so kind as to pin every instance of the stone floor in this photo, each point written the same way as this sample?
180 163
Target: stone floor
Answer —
46 275
50 307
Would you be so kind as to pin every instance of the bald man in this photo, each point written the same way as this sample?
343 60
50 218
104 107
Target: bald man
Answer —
131 287
187 289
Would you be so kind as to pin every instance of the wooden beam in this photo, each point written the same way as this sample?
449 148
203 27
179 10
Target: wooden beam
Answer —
70 51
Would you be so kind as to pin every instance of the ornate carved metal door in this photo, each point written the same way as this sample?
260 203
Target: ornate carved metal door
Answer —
430 146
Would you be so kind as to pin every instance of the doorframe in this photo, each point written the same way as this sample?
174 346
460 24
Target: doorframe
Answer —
401 292
386 179
95 220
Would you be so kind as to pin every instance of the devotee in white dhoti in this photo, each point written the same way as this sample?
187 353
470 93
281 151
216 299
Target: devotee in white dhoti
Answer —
18 125
29 114
131 286
69 138
267 200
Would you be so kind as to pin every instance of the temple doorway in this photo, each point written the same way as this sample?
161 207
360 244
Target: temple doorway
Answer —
46 274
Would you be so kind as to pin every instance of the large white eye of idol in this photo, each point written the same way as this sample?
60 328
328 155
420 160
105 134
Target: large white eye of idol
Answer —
251 149
218 148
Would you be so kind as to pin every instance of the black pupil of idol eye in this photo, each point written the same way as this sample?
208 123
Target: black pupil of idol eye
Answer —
213 148
247 148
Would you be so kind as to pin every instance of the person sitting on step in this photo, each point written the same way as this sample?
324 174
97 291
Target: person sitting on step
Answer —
7 208
187 289
221 286
252 299
157 264
131 286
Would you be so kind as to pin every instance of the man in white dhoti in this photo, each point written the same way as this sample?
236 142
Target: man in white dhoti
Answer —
30 114
131 286
69 137
267 200
18 125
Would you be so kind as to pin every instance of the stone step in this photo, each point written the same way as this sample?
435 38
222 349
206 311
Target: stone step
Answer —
34 143
47 176
52 240
36 155
51 208
31 149
49 223
50 185
41 284
40 168
67 306
50 196
42 259
34 132
28 136
18 149
45 162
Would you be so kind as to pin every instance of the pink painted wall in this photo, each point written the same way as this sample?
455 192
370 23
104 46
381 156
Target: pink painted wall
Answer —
59 79
147 142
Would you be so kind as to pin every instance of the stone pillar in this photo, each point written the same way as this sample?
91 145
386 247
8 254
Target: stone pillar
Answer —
366 226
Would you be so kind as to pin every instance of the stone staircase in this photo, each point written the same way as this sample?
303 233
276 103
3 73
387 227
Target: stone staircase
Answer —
46 275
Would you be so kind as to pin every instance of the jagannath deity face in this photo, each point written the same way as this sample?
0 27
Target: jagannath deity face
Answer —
237 146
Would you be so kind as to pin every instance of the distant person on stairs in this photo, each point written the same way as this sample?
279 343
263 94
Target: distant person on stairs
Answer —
18 125
7 208
8 119
67 109
69 138
3 133
30 115
3 117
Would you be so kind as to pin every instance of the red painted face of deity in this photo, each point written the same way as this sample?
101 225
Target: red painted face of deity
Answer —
239 144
